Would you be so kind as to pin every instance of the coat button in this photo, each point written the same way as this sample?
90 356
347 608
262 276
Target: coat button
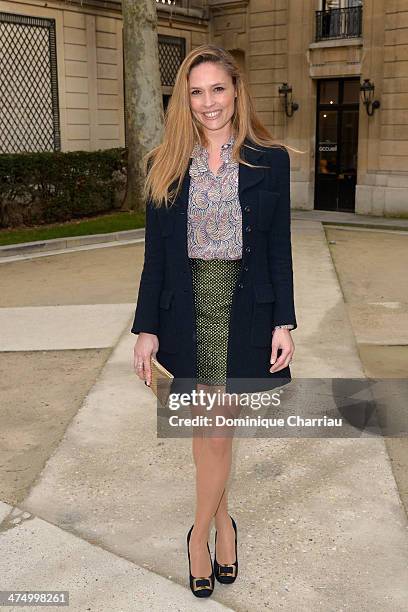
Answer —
247 249
247 209
246 268
241 286
248 228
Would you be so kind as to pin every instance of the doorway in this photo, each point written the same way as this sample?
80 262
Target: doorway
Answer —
336 144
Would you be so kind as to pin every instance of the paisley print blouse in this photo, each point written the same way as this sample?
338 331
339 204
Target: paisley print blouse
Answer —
214 222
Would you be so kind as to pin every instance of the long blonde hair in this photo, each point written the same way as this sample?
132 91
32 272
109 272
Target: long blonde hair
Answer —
169 161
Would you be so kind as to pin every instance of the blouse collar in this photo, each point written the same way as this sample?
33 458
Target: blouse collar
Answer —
200 155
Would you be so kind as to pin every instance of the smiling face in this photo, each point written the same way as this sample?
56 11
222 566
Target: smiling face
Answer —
212 96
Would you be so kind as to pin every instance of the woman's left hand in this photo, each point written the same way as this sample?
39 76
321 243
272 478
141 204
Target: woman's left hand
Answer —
281 339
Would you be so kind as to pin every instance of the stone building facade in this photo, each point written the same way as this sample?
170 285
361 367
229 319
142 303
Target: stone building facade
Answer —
305 60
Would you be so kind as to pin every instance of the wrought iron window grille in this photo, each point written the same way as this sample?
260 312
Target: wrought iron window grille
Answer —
29 120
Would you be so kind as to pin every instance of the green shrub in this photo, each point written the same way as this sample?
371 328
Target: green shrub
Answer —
49 187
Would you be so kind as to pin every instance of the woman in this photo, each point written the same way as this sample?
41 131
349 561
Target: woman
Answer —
215 302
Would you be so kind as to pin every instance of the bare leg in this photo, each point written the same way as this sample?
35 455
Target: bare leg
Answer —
212 457
225 533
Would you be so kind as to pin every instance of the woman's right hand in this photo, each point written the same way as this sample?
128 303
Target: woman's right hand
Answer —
146 346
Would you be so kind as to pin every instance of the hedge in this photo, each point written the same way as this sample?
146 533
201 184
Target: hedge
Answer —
49 187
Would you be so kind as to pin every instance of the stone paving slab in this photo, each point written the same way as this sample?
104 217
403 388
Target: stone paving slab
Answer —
36 555
62 327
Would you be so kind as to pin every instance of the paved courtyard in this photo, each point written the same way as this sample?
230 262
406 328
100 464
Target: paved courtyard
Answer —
94 503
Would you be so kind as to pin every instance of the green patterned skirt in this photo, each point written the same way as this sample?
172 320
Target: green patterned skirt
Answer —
214 283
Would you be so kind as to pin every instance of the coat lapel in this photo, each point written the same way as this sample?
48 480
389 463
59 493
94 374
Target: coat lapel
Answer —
182 199
247 177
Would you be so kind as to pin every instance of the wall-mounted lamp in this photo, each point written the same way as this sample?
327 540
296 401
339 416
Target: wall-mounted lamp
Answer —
367 88
286 92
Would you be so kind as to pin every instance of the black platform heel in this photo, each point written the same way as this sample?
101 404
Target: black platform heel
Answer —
226 574
200 587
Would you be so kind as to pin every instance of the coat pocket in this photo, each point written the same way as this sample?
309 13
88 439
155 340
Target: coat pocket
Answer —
262 317
267 202
168 337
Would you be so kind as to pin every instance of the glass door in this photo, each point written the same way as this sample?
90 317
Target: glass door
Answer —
337 144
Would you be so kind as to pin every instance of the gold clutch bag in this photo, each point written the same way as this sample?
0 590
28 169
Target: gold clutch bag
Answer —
161 381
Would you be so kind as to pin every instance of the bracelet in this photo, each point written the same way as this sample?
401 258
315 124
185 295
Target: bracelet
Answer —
283 326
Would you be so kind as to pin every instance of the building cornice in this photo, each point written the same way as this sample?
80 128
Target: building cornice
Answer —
215 4
337 42
163 10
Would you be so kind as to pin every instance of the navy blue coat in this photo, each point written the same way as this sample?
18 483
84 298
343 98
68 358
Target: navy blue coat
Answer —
263 295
